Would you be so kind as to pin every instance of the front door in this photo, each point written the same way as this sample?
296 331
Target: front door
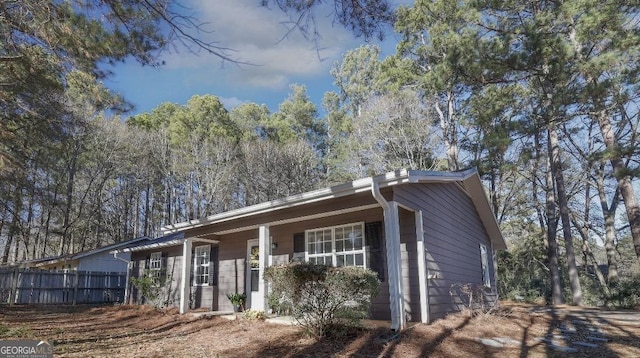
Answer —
254 297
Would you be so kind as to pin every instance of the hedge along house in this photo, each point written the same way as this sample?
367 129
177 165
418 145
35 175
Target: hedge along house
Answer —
422 232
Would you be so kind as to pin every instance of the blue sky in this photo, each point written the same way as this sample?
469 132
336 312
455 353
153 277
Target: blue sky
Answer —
256 35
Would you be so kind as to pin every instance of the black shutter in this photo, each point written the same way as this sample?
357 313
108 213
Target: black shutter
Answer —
374 237
213 266
298 242
163 266
193 264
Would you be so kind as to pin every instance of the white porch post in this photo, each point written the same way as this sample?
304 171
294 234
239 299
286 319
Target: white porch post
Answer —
422 269
394 266
265 253
185 282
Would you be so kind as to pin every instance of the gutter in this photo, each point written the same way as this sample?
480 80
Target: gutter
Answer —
126 281
392 238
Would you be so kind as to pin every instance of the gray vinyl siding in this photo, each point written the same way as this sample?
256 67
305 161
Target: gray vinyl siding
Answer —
233 252
409 262
103 262
200 296
232 262
453 234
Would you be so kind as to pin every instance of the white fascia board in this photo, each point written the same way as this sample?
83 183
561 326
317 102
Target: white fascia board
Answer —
152 246
384 180
422 176
110 247
354 187
175 242
54 261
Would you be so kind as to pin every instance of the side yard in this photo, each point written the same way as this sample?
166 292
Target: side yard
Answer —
140 331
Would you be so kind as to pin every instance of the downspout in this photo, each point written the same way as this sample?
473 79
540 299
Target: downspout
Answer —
126 280
392 238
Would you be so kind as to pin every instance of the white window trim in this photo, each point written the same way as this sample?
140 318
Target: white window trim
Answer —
156 258
207 249
484 263
333 254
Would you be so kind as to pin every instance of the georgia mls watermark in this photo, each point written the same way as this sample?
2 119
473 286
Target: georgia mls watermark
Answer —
26 349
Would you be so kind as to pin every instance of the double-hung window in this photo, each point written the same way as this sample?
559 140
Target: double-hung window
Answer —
155 264
342 245
201 265
484 259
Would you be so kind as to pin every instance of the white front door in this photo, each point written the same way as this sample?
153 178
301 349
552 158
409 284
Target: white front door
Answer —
254 296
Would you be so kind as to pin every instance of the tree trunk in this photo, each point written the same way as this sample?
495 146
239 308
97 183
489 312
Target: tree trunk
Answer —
584 232
620 170
6 249
26 231
609 215
69 203
449 133
147 209
552 247
621 173
557 170
45 241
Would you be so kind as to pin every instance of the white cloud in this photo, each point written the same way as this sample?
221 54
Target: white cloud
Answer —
256 35
231 102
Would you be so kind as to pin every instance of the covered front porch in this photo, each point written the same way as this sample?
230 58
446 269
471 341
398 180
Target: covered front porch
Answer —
286 238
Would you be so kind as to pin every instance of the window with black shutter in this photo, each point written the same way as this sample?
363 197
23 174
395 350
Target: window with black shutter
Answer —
375 239
213 266
298 246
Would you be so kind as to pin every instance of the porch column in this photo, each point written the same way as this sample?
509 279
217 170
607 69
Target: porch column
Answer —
265 253
185 282
422 269
394 266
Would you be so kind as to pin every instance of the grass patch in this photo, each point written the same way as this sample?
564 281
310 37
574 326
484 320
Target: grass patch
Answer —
17 332
3 330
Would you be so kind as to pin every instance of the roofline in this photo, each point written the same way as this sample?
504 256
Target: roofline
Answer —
77 256
469 177
474 187
385 180
294 200
110 247
152 245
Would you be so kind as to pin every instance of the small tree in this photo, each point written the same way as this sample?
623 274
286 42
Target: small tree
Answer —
320 297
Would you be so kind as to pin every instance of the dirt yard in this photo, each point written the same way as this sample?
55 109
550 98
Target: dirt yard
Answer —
139 331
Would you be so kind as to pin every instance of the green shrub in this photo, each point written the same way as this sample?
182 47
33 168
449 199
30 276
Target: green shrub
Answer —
322 298
150 286
626 293
254 315
237 298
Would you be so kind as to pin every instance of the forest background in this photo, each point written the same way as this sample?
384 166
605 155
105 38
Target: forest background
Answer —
540 96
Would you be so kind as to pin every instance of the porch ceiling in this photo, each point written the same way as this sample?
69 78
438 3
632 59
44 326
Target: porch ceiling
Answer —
299 219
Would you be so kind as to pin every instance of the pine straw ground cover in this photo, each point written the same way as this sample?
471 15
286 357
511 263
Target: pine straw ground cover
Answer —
141 331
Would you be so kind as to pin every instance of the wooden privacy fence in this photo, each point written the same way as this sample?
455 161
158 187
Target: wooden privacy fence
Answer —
28 286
